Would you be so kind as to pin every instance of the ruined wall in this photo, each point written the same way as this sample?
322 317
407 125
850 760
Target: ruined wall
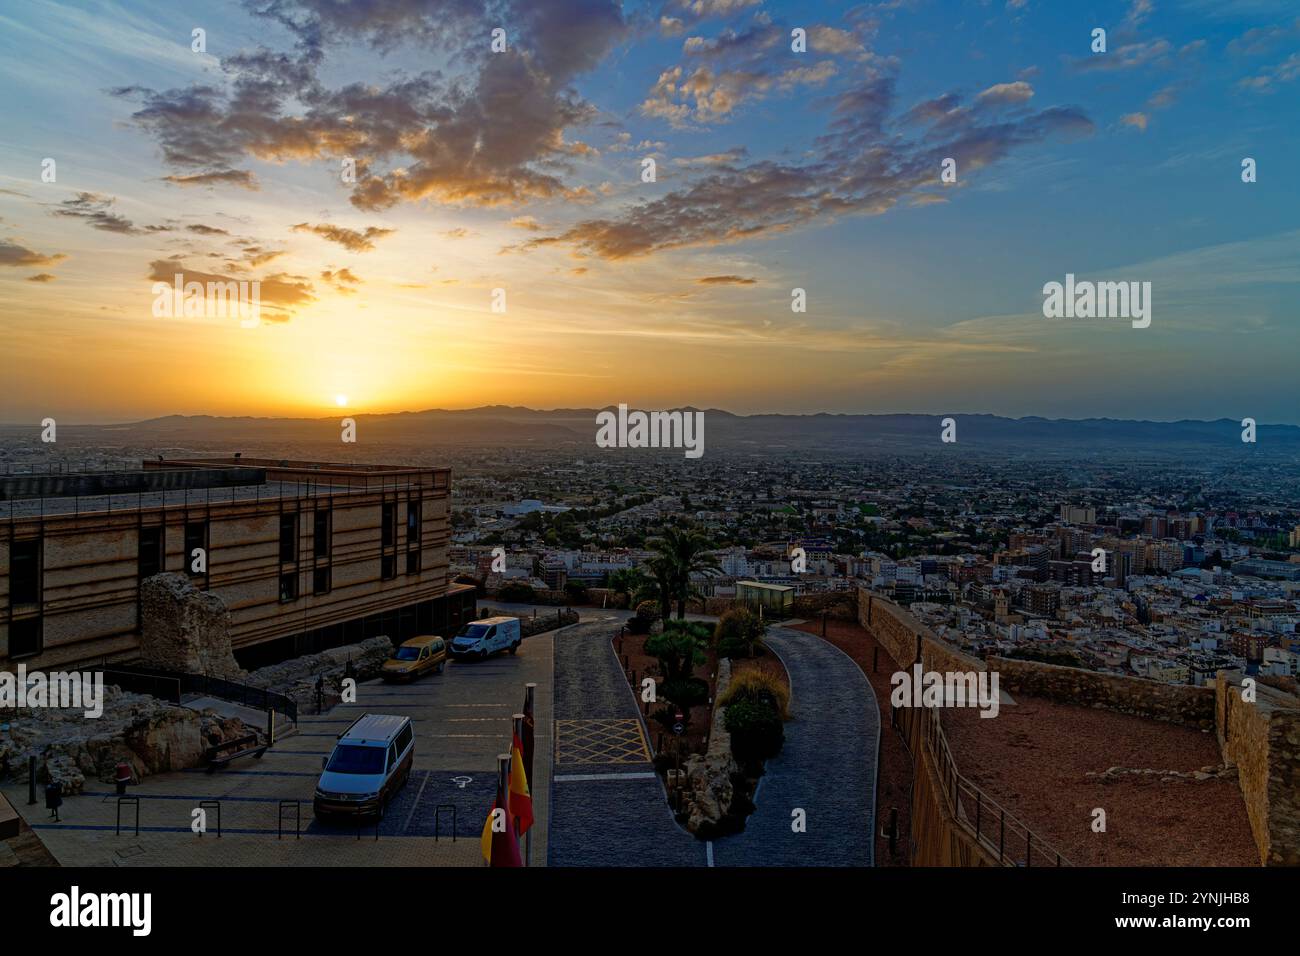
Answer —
897 631
1154 700
1262 738
838 605
184 629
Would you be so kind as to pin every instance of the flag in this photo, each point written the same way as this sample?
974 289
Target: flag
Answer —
499 848
529 724
521 797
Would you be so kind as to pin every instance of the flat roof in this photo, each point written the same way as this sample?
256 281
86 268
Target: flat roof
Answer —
25 508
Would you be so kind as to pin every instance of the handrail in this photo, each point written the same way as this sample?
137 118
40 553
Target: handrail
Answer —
990 823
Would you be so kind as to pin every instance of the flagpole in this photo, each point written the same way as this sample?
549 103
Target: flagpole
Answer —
503 787
528 837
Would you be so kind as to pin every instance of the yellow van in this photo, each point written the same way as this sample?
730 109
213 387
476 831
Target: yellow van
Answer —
419 655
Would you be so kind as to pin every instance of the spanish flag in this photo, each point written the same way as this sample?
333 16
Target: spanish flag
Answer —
499 847
521 798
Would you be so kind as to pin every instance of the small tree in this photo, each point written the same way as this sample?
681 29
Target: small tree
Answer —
679 648
738 632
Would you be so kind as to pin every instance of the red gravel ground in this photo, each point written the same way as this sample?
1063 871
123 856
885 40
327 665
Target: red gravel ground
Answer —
894 766
1033 757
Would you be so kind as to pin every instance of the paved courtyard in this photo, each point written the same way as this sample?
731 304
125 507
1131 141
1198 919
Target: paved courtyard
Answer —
462 721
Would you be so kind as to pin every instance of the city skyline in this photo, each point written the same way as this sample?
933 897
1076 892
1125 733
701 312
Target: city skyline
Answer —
776 170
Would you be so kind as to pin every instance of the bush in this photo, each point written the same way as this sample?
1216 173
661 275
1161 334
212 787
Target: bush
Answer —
738 632
759 686
679 648
757 732
517 593
686 692
576 592
641 622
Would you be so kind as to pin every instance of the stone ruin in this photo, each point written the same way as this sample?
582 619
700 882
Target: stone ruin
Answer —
183 628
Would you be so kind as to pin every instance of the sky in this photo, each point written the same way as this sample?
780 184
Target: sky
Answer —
524 169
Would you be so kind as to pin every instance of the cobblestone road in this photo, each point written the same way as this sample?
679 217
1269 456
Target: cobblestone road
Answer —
607 806
827 767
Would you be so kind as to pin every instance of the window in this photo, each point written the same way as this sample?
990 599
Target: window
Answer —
392 756
320 532
196 537
25 572
25 637
151 552
413 524
389 526
288 537
388 567
404 739
413 562
320 580
289 587
349 758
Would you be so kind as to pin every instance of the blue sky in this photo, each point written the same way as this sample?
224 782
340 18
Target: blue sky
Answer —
775 171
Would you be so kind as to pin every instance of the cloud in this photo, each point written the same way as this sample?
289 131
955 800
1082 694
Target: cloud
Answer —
242 178
12 254
1136 120
204 230
1017 92
258 256
283 293
726 280
41 277
349 239
1127 57
342 280
1268 80
95 210
526 222
864 166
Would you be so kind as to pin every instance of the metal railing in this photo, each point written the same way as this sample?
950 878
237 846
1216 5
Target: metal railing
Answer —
170 685
995 828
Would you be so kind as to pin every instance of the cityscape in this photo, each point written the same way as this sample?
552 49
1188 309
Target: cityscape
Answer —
649 437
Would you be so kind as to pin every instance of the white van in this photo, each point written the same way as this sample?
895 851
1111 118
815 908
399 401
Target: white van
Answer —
370 763
485 637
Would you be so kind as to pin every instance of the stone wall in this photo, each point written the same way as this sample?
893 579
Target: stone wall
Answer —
838 605
184 629
1154 700
900 634
709 791
1262 738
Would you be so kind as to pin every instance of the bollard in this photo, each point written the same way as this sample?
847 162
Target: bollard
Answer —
270 726
31 780
892 831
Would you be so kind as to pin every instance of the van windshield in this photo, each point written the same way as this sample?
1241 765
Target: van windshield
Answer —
473 631
352 759
407 654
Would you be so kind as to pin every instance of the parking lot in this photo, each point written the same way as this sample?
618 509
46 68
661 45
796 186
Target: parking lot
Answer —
462 720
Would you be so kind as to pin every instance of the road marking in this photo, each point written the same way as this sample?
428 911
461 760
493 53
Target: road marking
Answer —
573 777
416 805
708 853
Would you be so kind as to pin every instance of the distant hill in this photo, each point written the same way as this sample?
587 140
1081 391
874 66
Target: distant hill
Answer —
509 425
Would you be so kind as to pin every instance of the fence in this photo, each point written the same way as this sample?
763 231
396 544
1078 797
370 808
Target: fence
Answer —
170 685
983 819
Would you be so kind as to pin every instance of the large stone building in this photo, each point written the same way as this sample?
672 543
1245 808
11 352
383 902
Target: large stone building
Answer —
304 555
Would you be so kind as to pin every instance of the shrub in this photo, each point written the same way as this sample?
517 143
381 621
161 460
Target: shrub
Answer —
686 692
517 593
679 647
761 686
576 592
738 632
757 732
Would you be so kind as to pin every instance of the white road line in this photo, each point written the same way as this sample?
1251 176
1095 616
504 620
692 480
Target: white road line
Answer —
708 853
572 777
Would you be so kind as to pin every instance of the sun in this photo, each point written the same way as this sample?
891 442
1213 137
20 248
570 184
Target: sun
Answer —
341 400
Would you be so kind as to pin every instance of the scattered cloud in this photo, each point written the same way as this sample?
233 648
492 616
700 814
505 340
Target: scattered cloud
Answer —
349 239
12 254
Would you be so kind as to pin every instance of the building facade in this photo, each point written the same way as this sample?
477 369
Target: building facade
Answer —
305 555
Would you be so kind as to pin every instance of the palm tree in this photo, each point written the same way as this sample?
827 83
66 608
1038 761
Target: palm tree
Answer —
684 553
662 585
626 581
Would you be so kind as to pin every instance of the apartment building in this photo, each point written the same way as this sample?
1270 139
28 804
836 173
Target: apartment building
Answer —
305 555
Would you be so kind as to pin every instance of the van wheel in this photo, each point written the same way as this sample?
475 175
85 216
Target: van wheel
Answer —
514 647
438 669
